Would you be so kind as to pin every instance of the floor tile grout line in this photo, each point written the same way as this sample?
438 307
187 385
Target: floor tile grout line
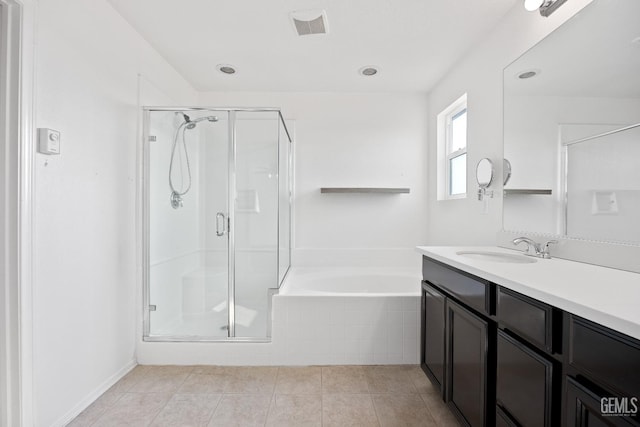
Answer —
375 410
214 409
160 410
428 408
103 412
321 398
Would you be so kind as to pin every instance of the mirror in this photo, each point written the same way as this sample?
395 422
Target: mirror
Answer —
506 171
484 172
571 115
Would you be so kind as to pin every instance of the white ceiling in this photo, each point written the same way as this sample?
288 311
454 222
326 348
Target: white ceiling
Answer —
413 42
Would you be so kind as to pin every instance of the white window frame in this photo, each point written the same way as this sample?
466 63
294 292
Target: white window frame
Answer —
445 153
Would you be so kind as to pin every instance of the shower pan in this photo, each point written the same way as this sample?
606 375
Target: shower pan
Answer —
217 221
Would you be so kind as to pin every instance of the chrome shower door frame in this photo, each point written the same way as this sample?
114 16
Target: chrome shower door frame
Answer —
231 194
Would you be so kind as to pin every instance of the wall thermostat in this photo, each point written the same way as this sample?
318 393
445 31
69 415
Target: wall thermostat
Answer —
48 141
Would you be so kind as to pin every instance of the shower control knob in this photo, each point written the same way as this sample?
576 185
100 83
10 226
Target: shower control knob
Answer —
176 200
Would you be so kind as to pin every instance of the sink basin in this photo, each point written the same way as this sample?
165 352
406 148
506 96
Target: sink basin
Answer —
497 257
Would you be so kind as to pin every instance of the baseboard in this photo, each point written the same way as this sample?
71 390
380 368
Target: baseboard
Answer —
95 394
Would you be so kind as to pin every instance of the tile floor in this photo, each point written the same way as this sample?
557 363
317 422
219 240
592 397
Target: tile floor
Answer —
270 396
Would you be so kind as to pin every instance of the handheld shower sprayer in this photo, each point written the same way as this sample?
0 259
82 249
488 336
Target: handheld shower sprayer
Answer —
176 195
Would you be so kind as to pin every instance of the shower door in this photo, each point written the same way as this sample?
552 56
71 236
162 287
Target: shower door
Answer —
217 222
187 186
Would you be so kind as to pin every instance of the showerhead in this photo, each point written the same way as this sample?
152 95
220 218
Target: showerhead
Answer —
191 124
188 122
207 118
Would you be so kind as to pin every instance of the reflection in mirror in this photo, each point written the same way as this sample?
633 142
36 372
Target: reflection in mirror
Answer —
484 172
506 171
581 81
603 186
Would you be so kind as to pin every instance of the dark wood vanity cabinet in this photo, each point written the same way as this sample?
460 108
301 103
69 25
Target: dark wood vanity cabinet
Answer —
584 408
524 383
433 337
468 366
528 382
502 358
528 318
455 341
602 375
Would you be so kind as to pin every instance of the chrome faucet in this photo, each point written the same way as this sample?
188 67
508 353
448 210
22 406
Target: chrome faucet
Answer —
540 250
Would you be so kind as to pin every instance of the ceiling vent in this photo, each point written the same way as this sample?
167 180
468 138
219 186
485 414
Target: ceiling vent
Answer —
307 22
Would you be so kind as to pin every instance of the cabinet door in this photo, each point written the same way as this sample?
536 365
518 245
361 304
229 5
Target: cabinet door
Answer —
433 333
503 420
523 383
584 409
467 365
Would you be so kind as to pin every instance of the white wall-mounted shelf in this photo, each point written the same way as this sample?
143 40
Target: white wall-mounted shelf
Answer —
373 190
526 191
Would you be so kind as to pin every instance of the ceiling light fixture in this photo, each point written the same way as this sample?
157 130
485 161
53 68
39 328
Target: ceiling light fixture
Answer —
527 74
226 68
532 5
546 7
368 71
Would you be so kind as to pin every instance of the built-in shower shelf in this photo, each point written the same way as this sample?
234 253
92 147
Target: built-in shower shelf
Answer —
525 191
375 190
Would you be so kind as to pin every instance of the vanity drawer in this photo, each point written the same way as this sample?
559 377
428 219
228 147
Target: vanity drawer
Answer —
584 408
605 356
471 290
527 317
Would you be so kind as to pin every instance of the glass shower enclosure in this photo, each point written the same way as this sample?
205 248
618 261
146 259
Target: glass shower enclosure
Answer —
217 221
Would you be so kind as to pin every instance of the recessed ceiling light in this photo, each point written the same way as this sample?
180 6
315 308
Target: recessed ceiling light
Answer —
527 74
226 68
368 71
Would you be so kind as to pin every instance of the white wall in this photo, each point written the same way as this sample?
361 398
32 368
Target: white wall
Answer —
353 140
84 292
479 74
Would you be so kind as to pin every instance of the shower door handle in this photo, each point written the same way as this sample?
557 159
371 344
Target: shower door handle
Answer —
220 219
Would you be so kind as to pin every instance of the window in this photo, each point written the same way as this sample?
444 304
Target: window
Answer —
452 151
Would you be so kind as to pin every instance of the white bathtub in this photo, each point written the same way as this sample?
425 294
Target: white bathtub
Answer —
347 316
350 282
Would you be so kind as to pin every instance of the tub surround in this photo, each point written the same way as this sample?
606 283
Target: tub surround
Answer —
357 282
322 316
603 295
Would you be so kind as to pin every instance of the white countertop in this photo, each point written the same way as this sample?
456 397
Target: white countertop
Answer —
603 295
